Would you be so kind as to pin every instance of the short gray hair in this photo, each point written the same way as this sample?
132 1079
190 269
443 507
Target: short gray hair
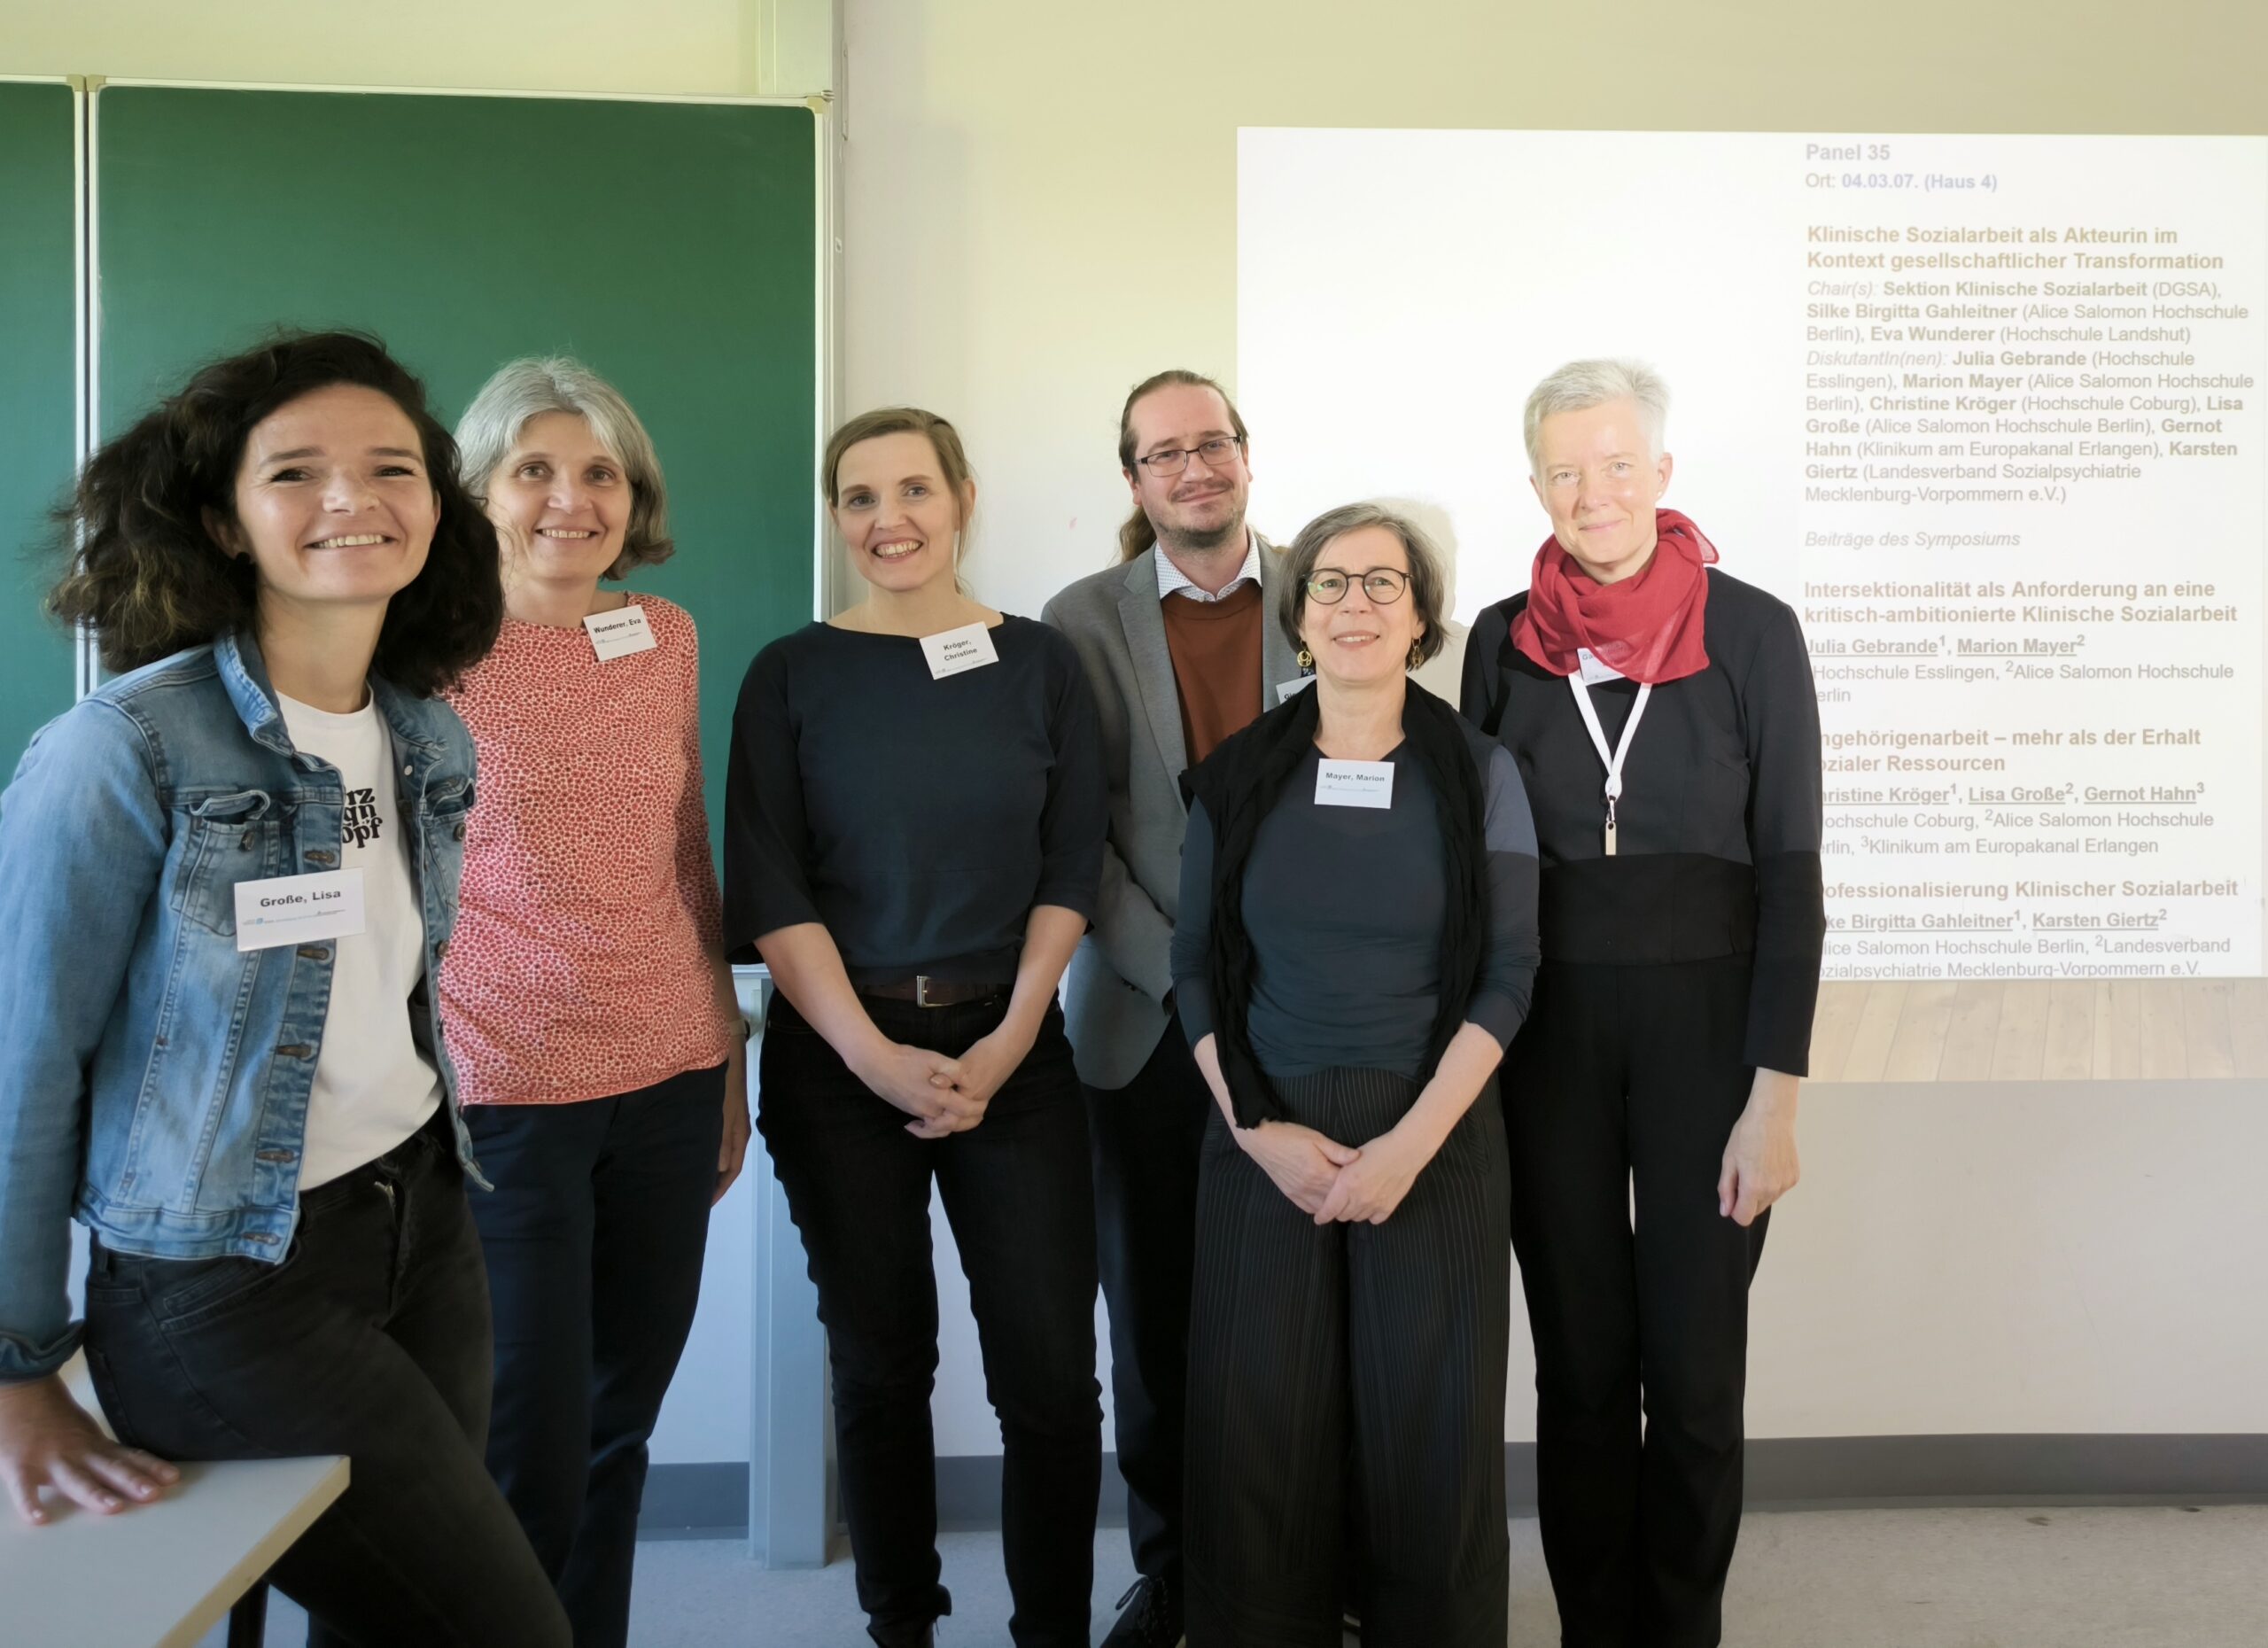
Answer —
1426 581
1581 384
526 389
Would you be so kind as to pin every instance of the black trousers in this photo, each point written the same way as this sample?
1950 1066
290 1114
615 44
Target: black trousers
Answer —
1021 1200
594 1238
1623 1085
1394 1336
370 1339
1147 1136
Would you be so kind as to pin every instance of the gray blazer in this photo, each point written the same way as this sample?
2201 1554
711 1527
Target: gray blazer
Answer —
1115 990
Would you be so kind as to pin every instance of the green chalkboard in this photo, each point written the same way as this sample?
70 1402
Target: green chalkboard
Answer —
38 394
671 246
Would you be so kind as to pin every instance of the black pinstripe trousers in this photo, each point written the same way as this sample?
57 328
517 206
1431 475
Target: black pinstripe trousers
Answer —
1350 1372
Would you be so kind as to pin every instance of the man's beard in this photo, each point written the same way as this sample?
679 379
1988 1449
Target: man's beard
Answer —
1183 541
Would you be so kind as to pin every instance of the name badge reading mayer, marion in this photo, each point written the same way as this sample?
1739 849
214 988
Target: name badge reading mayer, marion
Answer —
1353 784
299 909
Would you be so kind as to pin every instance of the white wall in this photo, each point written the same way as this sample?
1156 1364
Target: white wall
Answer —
503 45
1040 205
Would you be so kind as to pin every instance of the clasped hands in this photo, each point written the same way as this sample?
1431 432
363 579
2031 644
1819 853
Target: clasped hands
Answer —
945 1095
1334 1183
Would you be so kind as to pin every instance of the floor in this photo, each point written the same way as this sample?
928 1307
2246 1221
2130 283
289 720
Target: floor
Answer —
2158 1577
2041 1030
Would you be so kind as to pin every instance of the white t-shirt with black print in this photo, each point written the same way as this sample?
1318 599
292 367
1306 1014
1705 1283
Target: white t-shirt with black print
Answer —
373 1088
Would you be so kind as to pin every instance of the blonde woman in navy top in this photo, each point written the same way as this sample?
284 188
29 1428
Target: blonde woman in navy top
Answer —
913 843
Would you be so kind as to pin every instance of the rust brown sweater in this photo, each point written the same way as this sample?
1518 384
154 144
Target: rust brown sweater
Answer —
1216 648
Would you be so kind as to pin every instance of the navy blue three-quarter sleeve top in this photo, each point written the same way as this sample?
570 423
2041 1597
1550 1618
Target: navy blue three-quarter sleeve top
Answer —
919 820
1718 828
1344 906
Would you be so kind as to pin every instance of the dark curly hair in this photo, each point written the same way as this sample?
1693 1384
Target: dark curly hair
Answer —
147 579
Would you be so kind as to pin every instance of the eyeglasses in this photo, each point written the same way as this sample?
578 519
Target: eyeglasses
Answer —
1217 453
1382 584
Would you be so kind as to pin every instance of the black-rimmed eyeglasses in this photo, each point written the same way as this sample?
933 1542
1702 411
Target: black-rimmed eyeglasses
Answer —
1217 453
1382 584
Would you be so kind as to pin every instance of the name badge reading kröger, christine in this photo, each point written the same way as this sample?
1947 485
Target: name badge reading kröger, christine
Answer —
953 651
297 909
618 634
1353 784
1298 683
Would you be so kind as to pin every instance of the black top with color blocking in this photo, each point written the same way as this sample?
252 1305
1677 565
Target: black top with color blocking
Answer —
920 820
1718 828
1344 906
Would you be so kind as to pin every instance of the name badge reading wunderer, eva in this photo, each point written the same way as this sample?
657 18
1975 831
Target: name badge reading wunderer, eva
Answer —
955 651
1353 784
618 634
299 909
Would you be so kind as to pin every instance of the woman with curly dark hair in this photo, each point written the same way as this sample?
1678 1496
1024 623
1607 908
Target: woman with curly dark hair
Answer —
226 882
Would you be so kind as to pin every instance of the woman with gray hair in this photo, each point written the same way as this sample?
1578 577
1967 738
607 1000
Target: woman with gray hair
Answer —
590 1013
1356 944
1663 717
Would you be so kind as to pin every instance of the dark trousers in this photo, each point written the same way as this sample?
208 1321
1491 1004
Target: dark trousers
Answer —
371 1339
594 1238
1626 1080
1018 1193
1147 1136
1392 1335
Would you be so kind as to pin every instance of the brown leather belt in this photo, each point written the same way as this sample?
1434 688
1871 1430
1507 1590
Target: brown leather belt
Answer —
924 992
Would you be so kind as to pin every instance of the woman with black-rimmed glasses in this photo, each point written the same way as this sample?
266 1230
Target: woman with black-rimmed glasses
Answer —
1355 946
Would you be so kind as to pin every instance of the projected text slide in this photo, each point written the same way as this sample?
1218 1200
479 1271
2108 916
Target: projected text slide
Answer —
1986 411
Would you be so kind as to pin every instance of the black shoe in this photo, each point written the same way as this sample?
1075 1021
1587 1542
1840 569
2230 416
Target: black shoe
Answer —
904 1636
1152 1620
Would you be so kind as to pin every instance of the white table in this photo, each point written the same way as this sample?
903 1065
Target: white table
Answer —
159 1574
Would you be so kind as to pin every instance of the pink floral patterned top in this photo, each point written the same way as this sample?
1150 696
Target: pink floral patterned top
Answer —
582 963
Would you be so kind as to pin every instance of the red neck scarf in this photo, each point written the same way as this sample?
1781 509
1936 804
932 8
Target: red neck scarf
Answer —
1647 627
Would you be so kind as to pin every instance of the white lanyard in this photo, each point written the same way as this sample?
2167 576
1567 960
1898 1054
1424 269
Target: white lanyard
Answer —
1598 742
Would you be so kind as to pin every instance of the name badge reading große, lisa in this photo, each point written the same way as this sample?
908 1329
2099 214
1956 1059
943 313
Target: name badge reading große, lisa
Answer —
299 909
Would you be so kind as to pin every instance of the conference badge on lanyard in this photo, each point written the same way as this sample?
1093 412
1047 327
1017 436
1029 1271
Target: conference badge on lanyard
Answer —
1614 761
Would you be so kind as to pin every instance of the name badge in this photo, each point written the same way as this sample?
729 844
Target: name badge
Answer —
618 634
1593 671
297 909
1285 690
1353 784
956 651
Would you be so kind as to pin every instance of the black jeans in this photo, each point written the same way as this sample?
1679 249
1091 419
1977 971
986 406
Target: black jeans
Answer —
594 1238
1625 1084
1018 1193
370 1339
1148 1138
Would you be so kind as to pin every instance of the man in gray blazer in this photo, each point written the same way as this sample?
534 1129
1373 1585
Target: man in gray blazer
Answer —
1182 647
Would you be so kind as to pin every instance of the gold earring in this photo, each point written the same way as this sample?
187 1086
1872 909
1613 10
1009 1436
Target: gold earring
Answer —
1414 659
1305 660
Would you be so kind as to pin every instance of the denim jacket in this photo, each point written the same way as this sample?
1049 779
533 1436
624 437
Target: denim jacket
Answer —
153 1079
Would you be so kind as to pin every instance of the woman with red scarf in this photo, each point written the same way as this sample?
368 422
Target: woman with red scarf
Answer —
1663 717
